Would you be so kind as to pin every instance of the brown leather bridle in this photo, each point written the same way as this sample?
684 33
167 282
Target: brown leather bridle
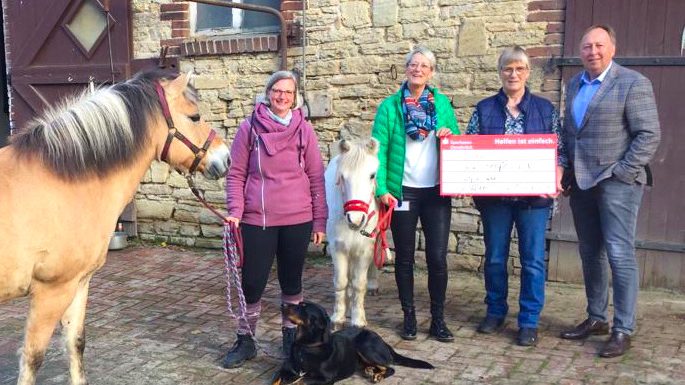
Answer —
199 152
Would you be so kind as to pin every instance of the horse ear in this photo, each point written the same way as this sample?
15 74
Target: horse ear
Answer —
344 146
178 85
372 146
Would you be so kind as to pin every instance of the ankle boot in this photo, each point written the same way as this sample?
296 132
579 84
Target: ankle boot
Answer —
288 340
242 350
408 331
439 330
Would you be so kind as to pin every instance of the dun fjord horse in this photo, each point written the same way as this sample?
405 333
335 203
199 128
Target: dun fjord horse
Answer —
352 218
65 179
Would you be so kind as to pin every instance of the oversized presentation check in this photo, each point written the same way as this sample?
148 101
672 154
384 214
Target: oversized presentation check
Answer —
506 165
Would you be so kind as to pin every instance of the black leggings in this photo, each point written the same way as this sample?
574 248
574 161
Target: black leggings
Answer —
287 243
435 214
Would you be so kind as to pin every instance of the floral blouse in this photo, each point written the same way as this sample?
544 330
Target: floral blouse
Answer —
514 126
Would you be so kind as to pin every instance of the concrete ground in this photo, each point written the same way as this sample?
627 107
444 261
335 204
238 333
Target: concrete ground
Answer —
158 316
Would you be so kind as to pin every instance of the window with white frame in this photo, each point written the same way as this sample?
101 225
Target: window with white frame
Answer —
217 20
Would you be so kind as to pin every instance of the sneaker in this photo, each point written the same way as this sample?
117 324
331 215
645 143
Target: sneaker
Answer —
242 350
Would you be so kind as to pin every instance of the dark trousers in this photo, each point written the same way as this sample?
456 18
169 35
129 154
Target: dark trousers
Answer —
435 214
287 243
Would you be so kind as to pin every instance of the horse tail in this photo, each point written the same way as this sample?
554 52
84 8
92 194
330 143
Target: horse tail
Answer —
401 360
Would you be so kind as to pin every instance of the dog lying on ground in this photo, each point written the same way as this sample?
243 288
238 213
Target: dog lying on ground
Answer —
320 357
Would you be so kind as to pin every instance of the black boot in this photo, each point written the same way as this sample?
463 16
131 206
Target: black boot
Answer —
439 330
288 340
242 350
408 331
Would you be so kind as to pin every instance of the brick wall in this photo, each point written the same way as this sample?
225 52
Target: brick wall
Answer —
181 42
551 12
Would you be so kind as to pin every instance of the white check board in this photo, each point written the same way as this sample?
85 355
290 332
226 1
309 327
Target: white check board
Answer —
498 165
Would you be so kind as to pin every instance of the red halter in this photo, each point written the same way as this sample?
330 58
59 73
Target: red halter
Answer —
174 133
379 232
356 205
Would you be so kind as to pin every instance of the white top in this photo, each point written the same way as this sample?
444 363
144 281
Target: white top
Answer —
421 162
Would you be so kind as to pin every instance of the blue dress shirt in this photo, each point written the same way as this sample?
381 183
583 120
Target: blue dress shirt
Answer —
587 90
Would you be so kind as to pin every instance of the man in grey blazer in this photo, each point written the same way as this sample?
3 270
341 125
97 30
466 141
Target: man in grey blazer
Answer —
611 131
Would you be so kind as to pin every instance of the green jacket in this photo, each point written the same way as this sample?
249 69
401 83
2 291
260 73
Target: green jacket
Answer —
388 128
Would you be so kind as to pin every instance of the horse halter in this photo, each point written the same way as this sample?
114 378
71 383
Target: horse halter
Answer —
199 152
356 205
378 234
363 207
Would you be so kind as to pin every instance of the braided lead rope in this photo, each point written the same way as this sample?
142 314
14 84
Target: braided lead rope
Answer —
232 255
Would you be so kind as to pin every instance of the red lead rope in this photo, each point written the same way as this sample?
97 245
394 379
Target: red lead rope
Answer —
381 242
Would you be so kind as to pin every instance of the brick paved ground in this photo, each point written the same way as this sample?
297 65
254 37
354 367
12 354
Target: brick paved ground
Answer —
157 316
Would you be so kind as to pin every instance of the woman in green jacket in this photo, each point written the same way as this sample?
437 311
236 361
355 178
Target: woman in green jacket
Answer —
407 125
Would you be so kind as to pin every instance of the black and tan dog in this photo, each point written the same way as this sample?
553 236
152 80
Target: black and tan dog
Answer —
321 357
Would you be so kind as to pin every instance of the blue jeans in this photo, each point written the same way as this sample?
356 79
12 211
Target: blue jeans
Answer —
605 217
498 219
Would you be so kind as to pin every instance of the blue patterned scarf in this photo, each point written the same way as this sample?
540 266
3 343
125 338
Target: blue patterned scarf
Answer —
420 117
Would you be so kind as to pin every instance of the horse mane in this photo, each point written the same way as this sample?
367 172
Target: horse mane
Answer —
354 156
94 133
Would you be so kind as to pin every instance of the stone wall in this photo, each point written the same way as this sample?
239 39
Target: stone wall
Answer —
352 59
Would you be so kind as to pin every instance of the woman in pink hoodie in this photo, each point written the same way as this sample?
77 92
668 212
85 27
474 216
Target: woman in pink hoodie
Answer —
275 191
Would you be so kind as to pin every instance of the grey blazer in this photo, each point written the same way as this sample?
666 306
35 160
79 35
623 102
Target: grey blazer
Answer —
619 133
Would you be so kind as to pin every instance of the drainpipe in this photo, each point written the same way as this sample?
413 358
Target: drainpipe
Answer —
258 8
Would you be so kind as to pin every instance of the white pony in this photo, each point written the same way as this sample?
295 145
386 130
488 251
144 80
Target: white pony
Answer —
352 219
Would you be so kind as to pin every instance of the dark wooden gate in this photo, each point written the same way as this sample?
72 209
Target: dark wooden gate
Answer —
650 40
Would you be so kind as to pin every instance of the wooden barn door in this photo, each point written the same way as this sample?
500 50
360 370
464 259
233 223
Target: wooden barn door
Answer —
56 47
650 40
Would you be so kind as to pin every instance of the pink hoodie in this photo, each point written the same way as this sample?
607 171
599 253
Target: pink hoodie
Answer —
272 182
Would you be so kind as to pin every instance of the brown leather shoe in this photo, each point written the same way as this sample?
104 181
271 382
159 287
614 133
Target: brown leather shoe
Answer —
585 329
617 345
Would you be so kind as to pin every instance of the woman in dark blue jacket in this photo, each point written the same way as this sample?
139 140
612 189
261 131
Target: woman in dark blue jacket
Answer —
514 110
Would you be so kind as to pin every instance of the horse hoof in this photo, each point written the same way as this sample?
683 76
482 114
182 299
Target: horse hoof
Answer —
337 326
389 256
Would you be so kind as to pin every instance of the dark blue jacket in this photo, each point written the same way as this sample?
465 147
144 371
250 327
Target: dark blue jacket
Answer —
537 115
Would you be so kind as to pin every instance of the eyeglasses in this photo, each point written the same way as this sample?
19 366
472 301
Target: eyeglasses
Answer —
510 70
421 66
282 92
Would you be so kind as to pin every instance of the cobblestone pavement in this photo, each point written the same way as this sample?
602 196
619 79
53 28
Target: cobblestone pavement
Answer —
158 316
